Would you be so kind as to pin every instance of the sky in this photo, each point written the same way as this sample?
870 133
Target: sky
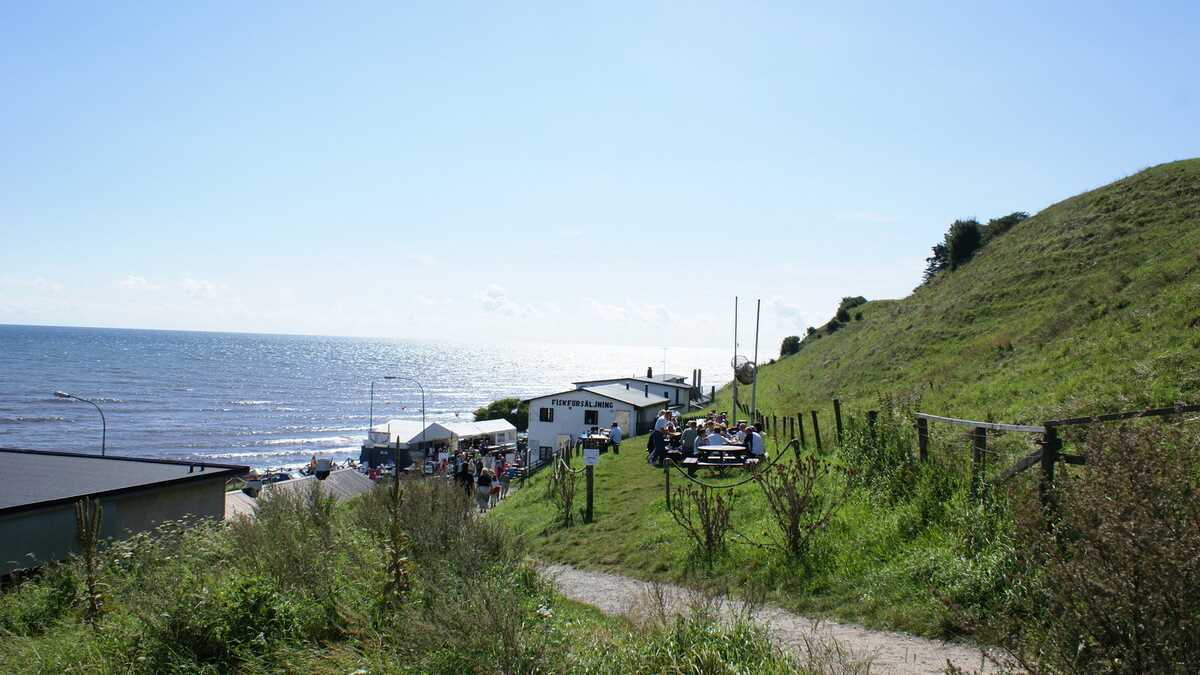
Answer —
609 173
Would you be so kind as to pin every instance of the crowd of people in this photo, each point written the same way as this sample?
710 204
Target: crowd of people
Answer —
484 477
713 429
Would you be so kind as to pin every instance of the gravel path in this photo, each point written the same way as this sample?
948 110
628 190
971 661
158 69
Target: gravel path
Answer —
886 652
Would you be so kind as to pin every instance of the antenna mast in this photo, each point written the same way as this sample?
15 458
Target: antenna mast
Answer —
754 387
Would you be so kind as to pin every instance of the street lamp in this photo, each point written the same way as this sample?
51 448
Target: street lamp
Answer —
372 415
103 423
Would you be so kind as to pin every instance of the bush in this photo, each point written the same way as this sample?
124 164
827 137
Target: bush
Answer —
850 302
832 326
802 496
704 514
791 345
858 316
842 315
962 241
511 409
1112 578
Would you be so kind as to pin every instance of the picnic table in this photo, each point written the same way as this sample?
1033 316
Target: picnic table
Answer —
597 441
719 457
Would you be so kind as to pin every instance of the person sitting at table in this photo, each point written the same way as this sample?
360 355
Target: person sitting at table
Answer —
715 437
739 436
688 441
754 443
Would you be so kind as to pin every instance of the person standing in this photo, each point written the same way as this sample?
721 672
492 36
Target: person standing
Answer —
658 438
614 437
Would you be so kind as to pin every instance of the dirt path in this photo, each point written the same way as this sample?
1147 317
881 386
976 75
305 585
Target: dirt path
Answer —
887 652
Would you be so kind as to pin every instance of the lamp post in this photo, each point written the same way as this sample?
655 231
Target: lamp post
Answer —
103 422
372 415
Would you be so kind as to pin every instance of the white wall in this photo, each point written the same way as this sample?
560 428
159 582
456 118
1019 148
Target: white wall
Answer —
568 419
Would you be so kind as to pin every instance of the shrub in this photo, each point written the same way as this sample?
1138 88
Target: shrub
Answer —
791 345
858 316
1112 578
832 326
962 241
850 302
842 315
561 487
802 496
704 514
998 226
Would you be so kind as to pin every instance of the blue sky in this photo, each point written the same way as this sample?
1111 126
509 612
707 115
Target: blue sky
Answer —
603 172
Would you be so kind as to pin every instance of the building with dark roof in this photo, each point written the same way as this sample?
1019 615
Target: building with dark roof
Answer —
39 489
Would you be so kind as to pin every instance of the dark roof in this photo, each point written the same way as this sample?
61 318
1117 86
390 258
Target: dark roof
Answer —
35 478
644 380
615 392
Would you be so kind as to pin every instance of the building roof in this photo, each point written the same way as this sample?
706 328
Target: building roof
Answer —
481 428
644 380
35 478
615 392
340 484
405 431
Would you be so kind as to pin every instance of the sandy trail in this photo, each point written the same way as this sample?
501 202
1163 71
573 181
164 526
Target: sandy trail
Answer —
887 652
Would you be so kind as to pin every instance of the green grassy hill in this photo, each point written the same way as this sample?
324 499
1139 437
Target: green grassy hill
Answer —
1091 305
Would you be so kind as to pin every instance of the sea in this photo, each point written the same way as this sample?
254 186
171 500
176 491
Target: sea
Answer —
275 401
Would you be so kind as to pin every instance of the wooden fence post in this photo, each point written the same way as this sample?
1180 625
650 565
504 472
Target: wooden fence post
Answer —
922 439
837 419
667 479
816 430
800 420
978 447
587 514
1051 445
775 424
872 416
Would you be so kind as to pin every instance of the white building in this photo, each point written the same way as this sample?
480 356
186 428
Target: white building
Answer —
556 419
677 393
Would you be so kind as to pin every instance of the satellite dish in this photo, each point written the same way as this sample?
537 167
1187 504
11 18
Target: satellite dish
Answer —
744 369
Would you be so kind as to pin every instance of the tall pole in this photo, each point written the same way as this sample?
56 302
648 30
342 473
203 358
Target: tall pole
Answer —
754 386
423 425
734 361
103 422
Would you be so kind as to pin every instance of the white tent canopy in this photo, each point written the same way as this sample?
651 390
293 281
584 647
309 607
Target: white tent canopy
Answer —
404 432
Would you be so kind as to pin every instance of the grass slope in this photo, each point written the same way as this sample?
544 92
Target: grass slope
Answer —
1098 297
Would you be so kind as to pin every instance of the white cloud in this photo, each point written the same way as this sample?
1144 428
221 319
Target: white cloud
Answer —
137 283
495 299
203 289
35 285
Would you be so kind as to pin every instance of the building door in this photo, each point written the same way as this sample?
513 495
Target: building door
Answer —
622 418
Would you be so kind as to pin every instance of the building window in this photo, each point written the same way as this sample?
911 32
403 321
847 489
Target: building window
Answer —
546 414
591 418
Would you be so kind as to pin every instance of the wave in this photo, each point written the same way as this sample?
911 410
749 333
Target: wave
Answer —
265 454
31 419
318 440
254 402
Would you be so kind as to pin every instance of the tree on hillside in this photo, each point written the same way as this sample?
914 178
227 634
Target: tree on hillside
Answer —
791 345
998 226
936 262
962 241
511 409
850 302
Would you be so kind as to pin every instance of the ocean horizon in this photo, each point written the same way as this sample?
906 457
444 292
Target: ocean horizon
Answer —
275 400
